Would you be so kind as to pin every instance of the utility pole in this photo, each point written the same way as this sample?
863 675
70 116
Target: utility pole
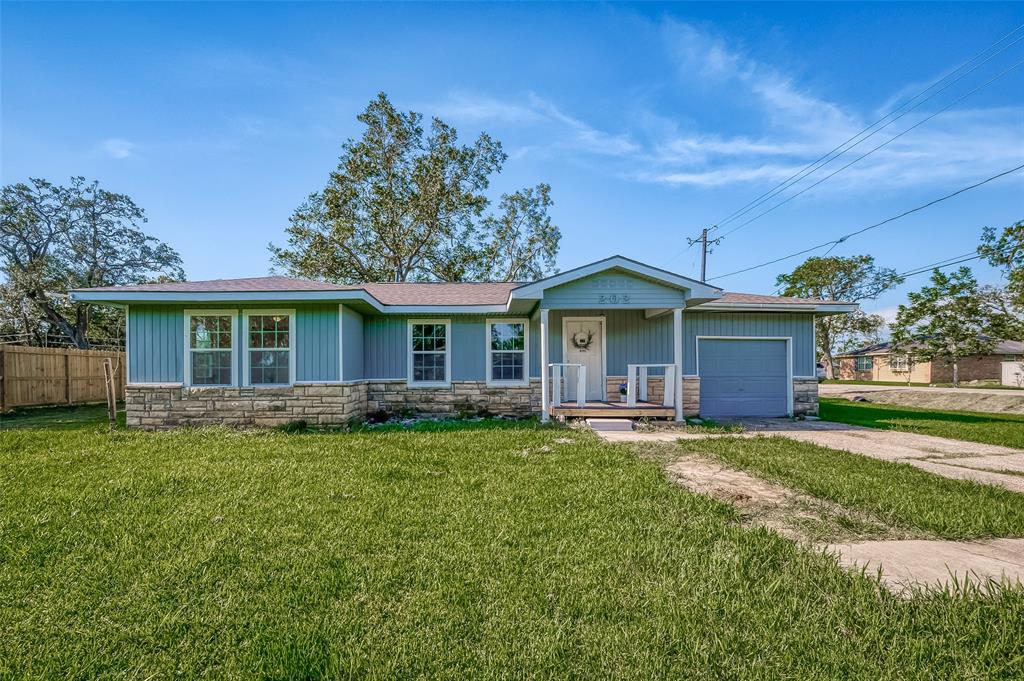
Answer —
704 250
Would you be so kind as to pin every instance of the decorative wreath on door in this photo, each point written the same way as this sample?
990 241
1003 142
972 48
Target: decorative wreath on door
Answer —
582 340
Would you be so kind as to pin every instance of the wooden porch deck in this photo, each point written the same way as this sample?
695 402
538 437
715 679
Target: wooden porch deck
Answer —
610 409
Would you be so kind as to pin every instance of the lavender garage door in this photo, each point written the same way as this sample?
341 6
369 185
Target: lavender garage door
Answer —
743 377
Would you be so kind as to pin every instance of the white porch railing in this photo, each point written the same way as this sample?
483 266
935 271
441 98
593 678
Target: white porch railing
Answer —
636 383
557 376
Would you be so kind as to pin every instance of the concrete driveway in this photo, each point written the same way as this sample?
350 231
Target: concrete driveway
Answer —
843 390
958 459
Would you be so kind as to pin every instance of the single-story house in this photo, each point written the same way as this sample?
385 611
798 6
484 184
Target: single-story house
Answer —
878 363
269 350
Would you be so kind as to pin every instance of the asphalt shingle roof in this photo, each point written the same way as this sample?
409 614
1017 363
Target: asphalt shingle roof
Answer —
397 293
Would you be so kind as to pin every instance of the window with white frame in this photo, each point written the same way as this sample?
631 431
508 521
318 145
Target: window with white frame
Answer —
865 363
429 352
898 363
269 347
506 350
210 347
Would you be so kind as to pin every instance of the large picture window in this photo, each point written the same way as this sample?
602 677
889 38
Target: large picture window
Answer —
210 345
268 337
429 352
506 351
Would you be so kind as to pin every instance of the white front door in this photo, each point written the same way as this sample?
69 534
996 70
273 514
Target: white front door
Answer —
583 343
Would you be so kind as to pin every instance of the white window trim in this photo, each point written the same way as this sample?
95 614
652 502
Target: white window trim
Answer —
447 354
234 345
245 351
525 380
899 364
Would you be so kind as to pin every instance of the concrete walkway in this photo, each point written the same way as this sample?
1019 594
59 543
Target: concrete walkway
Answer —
935 562
955 459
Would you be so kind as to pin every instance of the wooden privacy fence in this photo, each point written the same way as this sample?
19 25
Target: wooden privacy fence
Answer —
32 376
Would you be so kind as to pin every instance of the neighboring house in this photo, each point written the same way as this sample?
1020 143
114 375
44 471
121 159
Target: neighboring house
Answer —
273 349
877 363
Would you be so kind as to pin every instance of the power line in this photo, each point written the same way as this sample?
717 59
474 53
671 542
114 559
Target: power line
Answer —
843 148
873 150
955 260
835 242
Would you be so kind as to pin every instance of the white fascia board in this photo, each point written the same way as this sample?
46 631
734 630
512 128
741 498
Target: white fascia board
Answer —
773 307
696 288
124 297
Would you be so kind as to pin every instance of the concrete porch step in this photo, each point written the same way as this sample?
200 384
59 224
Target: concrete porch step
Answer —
610 425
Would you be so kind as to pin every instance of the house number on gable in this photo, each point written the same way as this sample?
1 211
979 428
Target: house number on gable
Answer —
613 299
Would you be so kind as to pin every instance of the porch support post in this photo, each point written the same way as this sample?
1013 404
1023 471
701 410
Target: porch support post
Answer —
677 345
545 370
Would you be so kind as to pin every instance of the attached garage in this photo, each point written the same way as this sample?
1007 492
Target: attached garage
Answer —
744 377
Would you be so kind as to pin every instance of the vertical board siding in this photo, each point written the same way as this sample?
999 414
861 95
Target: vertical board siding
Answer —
799 327
535 344
156 344
156 341
609 289
352 345
632 339
316 343
469 350
384 347
385 343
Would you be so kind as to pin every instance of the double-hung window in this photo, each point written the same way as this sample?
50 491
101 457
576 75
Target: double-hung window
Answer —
269 356
429 352
898 363
210 342
865 363
507 342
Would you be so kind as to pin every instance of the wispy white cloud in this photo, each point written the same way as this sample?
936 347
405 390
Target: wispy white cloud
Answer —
533 110
786 125
118 148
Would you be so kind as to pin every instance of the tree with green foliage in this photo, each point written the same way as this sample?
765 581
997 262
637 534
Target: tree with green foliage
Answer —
406 203
946 320
54 238
850 279
1006 251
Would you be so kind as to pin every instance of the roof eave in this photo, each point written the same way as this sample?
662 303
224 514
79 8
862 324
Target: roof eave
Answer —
777 307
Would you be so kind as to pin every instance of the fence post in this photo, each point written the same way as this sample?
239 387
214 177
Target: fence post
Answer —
67 376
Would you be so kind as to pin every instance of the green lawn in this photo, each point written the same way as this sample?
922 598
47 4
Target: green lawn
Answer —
492 552
896 493
59 418
994 429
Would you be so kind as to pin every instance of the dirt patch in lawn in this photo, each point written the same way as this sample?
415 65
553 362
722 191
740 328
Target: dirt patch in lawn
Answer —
967 400
796 516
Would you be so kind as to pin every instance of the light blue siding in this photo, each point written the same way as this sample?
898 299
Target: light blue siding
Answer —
384 347
615 290
385 343
316 343
352 345
800 327
156 342
631 338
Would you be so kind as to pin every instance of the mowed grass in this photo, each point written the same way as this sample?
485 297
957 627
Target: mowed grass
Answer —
59 418
896 493
522 551
994 429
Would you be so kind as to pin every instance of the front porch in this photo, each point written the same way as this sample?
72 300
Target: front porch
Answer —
610 409
642 380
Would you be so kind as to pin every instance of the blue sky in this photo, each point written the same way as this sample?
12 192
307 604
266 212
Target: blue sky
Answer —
649 121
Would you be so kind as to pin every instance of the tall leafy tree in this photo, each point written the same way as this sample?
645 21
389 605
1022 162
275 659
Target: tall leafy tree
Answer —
57 237
408 203
946 320
1006 251
850 279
